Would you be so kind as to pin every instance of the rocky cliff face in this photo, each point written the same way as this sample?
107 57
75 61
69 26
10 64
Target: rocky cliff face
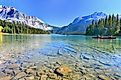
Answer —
12 14
79 25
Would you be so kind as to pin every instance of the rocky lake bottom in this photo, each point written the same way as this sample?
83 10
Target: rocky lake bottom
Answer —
56 57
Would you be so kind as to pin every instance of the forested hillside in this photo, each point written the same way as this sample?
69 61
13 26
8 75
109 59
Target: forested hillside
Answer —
20 28
108 26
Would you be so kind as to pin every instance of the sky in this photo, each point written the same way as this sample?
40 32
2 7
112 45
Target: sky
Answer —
63 12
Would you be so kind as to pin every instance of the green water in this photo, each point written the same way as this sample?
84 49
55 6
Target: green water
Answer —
105 52
37 41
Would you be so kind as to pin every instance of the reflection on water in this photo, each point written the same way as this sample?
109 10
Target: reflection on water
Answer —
33 41
28 42
106 45
19 44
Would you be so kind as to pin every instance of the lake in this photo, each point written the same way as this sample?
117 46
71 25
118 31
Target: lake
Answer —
85 56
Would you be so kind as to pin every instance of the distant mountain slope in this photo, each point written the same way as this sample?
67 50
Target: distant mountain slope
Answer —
79 25
12 14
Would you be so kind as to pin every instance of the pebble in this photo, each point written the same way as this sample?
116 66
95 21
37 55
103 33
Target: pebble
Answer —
103 77
20 75
2 74
52 76
6 78
33 67
8 71
13 66
31 78
43 77
16 71
1 62
30 71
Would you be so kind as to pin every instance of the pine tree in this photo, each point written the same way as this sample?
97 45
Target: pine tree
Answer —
110 21
106 22
117 28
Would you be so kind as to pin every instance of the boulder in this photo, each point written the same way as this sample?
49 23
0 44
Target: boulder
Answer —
63 70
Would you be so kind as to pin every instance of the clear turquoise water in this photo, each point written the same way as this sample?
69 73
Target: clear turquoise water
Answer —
34 47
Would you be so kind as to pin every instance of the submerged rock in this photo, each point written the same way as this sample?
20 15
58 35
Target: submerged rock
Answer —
33 67
30 71
30 78
43 77
6 78
20 75
103 77
2 75
52 76
13 66
63 70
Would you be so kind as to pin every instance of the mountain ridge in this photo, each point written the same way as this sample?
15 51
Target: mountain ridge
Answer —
12 14
79 24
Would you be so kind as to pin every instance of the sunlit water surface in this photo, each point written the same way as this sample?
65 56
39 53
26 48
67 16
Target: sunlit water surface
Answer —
34 47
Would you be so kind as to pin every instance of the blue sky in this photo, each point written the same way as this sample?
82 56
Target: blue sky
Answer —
62 12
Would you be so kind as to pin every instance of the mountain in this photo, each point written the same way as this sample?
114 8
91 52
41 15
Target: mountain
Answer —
79 25
11 14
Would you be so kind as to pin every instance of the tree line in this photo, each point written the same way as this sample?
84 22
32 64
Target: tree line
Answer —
111 25
20 28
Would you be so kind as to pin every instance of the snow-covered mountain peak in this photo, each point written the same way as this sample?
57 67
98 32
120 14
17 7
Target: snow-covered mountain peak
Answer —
79 25
94 16
12 14
99 13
